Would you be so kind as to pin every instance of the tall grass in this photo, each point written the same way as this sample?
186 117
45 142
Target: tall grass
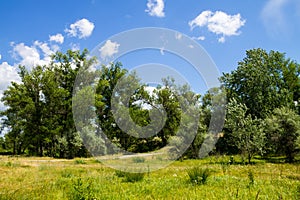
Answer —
198 175
34 178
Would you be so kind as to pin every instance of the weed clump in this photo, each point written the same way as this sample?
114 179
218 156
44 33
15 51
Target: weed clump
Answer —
198 175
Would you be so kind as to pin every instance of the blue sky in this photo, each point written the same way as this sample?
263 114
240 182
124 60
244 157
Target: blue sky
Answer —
31 30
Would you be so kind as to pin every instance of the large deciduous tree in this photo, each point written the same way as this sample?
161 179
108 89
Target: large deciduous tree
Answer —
264 81
39 109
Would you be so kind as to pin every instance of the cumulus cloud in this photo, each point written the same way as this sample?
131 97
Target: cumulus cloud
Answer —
219 23
59 38
27 56
273 16
109 49
82 29
37 54
8 74
155 8
0 56
44 47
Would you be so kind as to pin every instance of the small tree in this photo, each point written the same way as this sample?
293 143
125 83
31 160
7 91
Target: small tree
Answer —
283 131
247 133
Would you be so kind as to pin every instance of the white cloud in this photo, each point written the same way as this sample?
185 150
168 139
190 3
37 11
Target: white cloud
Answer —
59 38
273 16
155 8
44 47
30 56
55 48
108 49
221 39
0 56
82 29
219 23
199 38
8 74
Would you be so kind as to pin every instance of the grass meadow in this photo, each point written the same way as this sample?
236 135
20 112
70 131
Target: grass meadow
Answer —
218 177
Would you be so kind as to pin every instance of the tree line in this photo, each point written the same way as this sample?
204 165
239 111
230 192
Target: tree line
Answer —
262 111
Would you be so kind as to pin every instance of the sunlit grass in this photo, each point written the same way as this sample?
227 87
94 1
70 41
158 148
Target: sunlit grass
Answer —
46 178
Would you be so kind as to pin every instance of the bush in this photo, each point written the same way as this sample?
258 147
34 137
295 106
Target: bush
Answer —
198 175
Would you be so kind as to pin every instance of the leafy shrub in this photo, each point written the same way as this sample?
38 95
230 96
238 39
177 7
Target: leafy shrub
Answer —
198 175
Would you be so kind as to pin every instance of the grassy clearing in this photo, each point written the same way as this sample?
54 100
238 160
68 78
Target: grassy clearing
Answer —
46 178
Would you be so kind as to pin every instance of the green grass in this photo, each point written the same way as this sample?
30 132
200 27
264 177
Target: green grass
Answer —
46 178
198 175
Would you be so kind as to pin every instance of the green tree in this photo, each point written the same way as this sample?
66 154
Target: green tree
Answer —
264 81
247 133
283 132
39 109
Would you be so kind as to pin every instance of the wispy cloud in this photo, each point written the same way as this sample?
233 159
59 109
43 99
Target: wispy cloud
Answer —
156 8
82 29
273 16
219 23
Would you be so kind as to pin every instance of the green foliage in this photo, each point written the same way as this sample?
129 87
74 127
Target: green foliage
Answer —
198 175
40 118
39 115
247 133
283 132
264 81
